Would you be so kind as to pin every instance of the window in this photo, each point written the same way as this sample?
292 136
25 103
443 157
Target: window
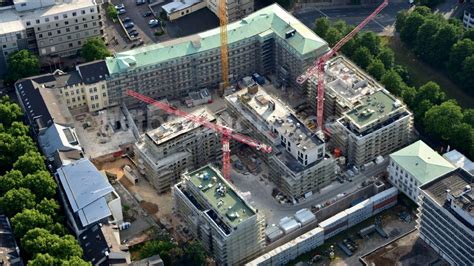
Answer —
56 17
37 21
59 31
64 15
46 19
28 23
50 34
79 42
74 14
70 44
83 12
68 30
66 22
92 97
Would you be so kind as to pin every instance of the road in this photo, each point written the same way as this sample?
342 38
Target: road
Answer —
354 15
262 200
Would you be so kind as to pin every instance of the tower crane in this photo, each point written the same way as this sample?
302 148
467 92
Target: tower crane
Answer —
319 64
226 133
222 14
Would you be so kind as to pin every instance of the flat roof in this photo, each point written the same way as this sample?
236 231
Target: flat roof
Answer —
177 126
422 162
373 108
12 20
233 208
176 6
456 181
348 82
271 18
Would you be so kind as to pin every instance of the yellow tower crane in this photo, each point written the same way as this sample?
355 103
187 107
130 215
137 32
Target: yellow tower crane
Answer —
224 53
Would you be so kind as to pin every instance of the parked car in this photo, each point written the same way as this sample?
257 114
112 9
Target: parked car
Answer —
129 25
134 35
120 6
148 14
140 43
154 23
132 31
121 11
140 2
126 19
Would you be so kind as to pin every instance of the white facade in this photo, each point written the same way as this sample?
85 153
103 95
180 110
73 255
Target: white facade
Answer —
468 19
404 181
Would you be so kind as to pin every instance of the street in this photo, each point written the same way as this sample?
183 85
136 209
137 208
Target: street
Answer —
262 199
353 15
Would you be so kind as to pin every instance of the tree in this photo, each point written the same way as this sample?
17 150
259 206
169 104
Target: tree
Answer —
48 206
444 40
75 261
22 64
424 44
30 163
333 36
9 111
429 3
468 34
431 92
41 184
440 119
16 200
387 56
362 57
460 50
10 180
408 96
461 136
112 12
423 10
468 116
376 69
159 247
402 71
28 219
321 27
94 49
341 26
410 29
195 254
18 129
420 110
13 147
42 260
370 40
401 20
466 77
40 240
393 82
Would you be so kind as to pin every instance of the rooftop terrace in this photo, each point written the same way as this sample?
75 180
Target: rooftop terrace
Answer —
269 19
374 108
176 127
220 195
347 82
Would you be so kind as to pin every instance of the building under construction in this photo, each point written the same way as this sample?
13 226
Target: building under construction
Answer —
299 164
165 152
364 119
218 217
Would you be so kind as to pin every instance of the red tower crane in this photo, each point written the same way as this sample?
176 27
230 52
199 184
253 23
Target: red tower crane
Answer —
226 133
319 64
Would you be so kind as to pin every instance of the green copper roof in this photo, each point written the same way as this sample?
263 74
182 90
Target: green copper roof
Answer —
272 18
231 207
422 162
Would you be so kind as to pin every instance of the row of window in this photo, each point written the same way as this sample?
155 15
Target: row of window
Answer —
64 16
50 33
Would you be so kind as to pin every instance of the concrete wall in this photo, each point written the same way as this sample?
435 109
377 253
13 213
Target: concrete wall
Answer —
186 11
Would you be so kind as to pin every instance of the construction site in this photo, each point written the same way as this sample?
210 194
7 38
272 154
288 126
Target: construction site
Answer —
180 154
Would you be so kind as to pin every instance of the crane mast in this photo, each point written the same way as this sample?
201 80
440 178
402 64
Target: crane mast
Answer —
223 34
318 67
226 133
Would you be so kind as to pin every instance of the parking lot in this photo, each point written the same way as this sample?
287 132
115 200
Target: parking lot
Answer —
390 223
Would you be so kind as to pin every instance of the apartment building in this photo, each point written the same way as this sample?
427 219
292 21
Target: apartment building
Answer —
49 28
446 216
164 153
377 126
414 166
218 217
270 40
300 164
345 85
468 18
